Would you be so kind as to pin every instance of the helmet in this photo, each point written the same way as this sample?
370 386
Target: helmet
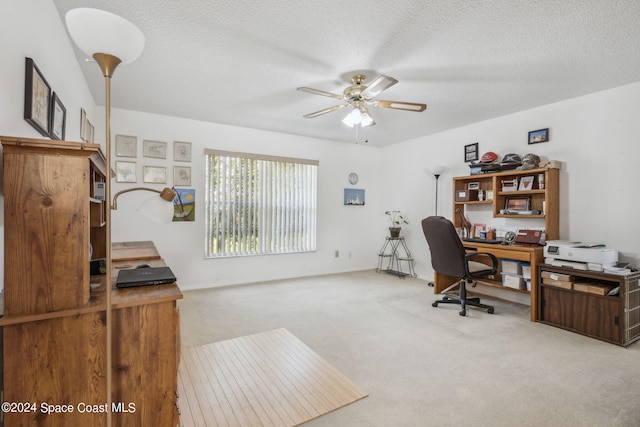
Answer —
489 157
511 158
530 161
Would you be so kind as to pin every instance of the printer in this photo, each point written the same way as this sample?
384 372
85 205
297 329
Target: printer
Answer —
579 255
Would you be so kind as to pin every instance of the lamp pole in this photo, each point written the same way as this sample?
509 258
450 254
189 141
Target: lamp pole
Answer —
439 170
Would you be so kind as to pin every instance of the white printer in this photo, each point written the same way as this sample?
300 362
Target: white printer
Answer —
579 255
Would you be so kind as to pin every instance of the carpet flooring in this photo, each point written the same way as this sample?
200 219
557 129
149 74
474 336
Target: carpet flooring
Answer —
426 366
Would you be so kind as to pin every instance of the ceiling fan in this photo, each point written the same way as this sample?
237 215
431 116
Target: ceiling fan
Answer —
359 96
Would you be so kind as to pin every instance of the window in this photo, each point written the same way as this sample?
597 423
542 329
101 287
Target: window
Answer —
257 205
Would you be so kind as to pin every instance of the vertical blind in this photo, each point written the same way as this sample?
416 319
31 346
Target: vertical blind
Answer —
259 205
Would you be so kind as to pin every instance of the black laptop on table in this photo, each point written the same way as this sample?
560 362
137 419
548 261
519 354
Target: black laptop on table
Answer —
144 276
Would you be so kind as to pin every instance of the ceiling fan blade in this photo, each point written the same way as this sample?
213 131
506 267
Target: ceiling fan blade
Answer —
320 92
325 111
378 85
396 105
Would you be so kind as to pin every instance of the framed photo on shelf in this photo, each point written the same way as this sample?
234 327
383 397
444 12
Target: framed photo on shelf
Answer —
526 183
477 228
58 119
126 172
126 146
182 176
471 152
474 185
536 136
154 174
37 98
155 149
181 151
517 203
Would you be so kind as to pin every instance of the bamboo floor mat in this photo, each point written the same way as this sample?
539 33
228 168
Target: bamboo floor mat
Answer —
265 379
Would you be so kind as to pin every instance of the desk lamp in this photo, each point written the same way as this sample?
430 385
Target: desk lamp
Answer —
110 40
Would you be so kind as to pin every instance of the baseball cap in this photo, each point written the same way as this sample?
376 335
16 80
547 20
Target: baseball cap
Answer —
489 157
511 158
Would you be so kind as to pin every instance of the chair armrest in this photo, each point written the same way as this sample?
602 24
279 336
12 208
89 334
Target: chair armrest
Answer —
493 267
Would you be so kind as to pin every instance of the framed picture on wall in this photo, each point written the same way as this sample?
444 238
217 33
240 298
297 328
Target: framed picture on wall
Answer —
58 119
181 151
155 174
37 98
155 149
126 146
126 172
471 152
536 136
182 176
354 197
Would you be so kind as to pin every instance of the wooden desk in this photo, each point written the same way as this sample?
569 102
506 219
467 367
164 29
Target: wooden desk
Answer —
58 357
531 254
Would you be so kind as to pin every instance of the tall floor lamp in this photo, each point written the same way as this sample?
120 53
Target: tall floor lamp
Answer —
437 171
110 40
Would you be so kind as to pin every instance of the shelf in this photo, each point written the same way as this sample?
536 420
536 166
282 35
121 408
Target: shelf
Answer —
497 284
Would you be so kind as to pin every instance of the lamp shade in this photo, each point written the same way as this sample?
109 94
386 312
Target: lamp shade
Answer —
98 31
157 209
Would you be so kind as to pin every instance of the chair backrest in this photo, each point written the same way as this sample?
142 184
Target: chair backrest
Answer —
447 251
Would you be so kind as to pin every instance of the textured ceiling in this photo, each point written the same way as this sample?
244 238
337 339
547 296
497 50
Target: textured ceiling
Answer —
239 62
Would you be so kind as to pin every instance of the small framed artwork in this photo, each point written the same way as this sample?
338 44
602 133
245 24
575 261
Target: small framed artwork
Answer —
37 98
184 205
181 151
353 197
154 174
471 152
526 183
536 136
126 172
155 149
477 228
517 203
182 176
58 119
83 125
475 185
126 146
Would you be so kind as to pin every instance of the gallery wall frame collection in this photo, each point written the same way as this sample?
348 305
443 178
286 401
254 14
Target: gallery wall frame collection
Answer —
43 108
126 147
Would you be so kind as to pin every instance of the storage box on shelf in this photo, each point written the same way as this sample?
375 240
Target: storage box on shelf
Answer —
599 305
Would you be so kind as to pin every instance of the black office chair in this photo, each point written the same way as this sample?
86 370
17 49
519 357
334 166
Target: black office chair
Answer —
449 257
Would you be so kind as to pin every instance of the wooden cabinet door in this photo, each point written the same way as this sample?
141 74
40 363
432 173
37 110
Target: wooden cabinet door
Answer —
557 307
604 318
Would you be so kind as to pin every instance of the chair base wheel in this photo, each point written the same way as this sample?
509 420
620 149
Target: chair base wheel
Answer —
435 304
463 312
490 310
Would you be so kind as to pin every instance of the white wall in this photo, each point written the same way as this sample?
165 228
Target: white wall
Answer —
33 28
594 136
347 229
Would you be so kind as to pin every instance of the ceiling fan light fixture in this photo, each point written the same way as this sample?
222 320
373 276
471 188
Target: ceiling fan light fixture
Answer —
366 119
353 118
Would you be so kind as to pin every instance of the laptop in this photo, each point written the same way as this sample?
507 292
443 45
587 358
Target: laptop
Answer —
144 276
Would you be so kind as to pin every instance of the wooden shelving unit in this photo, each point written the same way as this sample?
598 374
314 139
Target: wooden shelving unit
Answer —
54 325
546 200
